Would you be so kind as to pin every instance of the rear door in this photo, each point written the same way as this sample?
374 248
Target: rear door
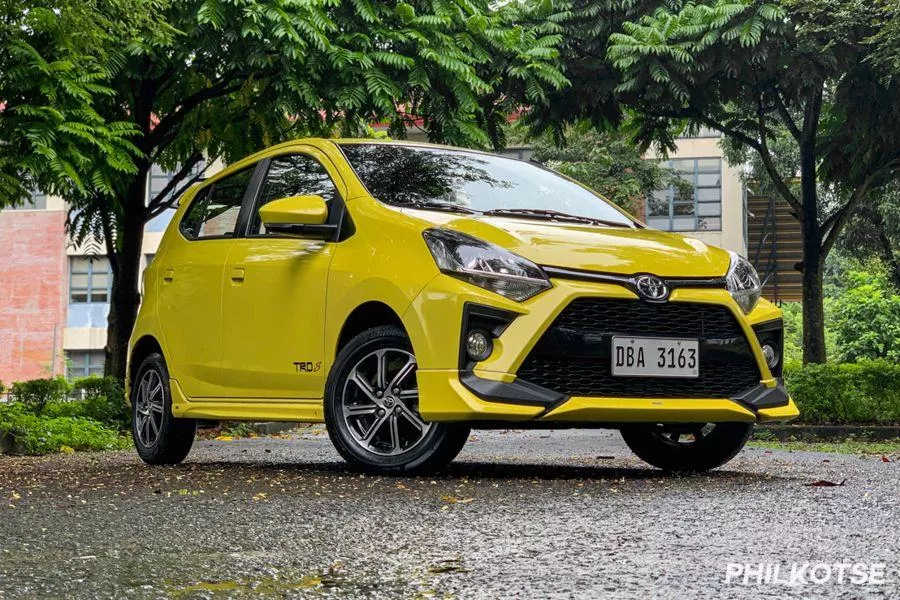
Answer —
275 287
190 287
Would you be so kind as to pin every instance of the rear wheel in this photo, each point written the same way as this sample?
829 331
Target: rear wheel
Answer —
372 408
160 438
688 447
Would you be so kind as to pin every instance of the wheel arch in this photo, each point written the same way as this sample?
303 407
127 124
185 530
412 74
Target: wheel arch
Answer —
367 315
144 347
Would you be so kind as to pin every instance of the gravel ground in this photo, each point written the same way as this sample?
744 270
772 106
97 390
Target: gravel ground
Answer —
520 514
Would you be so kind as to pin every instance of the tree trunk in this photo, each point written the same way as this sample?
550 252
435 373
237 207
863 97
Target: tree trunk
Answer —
126 298
813 262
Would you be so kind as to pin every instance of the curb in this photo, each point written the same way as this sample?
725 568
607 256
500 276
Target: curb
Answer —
784 433
270 427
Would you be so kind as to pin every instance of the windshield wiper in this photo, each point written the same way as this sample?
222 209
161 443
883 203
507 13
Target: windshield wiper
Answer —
444 206
540 213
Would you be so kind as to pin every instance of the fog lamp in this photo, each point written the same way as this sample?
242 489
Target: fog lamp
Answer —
771 355
478 345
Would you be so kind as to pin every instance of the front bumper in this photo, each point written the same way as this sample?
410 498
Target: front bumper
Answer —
491 391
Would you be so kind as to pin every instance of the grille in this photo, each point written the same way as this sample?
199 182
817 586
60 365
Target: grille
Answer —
573 355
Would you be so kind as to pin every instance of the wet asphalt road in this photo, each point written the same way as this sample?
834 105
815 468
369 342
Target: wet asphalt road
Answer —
520 514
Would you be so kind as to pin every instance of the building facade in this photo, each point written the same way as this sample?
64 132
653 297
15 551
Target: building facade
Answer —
54 295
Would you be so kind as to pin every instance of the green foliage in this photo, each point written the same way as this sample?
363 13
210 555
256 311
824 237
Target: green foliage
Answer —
32 434
866 392
866 318
237 429
102 400
606 162
37 393
56 59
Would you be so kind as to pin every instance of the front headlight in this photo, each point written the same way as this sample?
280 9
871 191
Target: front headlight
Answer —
743 283
485 265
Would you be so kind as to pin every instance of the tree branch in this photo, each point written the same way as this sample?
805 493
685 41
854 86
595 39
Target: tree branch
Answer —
168 123
786 117
182 172
834 224
771 169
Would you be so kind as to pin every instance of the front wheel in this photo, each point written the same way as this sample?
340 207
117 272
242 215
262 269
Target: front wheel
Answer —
372 408
689 447
160 438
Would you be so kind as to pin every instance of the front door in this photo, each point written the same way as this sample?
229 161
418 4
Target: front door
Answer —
274 292
190 286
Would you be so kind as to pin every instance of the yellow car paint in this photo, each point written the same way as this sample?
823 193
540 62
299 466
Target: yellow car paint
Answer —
244 340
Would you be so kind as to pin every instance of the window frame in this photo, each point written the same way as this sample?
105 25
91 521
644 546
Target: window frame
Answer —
85 367
338 218
208 188
670 196
255 205
90 278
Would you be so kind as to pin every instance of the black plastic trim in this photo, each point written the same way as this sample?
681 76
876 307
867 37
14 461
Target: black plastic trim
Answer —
760 396
517 392
772 332
325 231
478 316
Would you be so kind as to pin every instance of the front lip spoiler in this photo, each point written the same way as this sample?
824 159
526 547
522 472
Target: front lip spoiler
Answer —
523 392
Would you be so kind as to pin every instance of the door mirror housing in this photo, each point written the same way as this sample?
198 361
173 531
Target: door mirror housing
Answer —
296 215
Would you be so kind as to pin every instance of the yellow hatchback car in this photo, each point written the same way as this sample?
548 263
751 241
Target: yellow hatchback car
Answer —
405 293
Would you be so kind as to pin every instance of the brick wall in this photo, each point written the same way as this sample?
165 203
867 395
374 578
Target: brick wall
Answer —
33 293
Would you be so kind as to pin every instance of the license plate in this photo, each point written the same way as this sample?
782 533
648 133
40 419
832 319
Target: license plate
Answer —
655 357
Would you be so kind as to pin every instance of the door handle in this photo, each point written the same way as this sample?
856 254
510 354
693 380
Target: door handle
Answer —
168 275
237 275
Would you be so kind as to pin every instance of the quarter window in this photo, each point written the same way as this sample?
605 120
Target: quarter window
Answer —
294 175
214 212
699 208
90 280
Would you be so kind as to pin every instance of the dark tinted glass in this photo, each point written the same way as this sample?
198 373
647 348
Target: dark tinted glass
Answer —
214 212
296 175
399 174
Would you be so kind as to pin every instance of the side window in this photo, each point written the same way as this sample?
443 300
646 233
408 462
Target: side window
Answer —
294 175
214 212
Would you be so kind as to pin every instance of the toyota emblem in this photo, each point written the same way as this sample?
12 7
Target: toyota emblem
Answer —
651 288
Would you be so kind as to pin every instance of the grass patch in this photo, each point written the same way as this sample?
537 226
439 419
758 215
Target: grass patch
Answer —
888 448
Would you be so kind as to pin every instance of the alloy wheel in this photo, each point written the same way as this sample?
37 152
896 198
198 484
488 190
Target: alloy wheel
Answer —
149 408
380 403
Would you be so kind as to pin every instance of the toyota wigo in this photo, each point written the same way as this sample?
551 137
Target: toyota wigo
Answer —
405 293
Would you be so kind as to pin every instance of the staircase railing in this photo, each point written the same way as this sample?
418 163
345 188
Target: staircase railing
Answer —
768 240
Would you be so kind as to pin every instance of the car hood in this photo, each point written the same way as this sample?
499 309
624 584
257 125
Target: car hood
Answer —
586 247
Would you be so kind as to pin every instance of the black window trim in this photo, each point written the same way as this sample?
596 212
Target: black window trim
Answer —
338 226
208 187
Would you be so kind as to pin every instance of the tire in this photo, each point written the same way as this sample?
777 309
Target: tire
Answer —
713 445
372 424
174 437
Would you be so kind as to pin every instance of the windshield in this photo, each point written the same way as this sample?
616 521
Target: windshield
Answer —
472 181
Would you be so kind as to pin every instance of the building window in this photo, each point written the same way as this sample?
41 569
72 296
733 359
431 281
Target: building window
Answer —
156 183
84 363
90 280
697 208
703 132
37 201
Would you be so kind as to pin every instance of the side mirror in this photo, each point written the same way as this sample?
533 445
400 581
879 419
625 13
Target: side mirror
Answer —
296 215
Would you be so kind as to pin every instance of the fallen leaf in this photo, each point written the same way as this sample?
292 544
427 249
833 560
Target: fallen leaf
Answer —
885 459
454 500
223 438
826 483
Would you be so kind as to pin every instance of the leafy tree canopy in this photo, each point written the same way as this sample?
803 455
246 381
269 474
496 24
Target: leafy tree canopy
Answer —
55 60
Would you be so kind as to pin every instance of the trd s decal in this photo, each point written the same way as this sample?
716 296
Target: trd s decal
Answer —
307 367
